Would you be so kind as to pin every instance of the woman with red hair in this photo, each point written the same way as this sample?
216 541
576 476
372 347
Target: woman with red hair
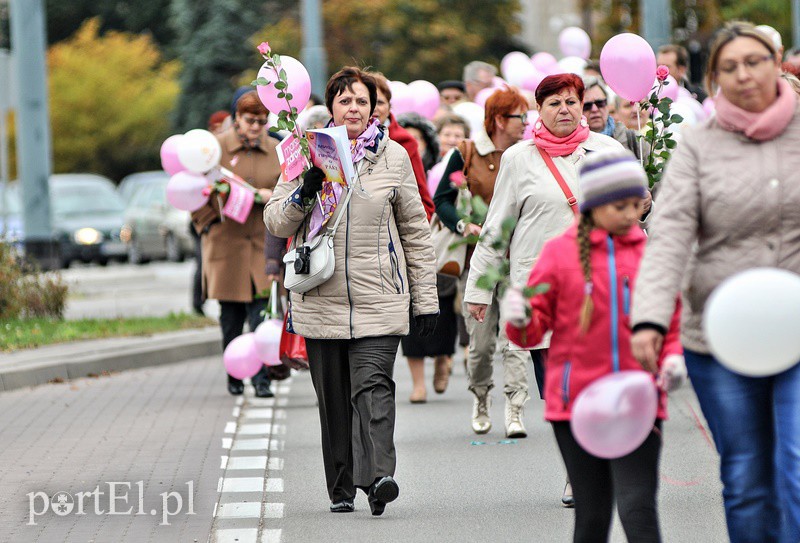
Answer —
479 160
538 185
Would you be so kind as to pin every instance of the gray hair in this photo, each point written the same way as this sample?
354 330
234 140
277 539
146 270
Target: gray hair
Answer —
590 82
472 69
313 115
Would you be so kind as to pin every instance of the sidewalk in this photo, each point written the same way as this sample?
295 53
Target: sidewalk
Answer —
55 363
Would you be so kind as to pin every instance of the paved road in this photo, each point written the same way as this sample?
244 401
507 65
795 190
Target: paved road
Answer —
256 471
125 290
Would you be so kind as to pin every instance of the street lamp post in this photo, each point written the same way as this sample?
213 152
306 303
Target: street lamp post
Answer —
313 54
33 128
655 23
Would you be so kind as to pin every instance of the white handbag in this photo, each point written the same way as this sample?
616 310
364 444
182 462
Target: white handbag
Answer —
316 259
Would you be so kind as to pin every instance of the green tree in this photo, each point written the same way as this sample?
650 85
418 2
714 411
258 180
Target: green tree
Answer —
214 48
406 39
775 13
110 98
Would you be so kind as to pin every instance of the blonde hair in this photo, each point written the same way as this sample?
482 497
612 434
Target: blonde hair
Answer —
728 33
585 226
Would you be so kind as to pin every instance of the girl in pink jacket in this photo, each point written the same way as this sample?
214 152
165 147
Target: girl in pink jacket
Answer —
591 271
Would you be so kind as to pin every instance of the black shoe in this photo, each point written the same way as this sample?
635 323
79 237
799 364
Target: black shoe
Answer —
382 491
344 506
235 386
263 390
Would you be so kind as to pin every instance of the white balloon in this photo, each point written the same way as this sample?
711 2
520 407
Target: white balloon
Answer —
267 339
750 321
199 151
572 65
473 114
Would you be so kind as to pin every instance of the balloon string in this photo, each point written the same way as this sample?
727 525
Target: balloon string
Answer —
639 137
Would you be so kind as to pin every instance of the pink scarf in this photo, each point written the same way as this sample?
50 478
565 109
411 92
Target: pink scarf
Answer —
555 146
764 126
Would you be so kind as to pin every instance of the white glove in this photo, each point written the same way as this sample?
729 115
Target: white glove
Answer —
515 308
673 373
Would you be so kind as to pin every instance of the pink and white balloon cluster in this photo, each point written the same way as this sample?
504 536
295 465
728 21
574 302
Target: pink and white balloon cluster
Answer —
187 157
244 356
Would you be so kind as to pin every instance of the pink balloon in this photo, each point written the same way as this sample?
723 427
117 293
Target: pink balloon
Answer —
169 155
268 341
402 100
425 98
628 65
499 82
240 357
614 415
484 95
435 176
545 63
511 62
532 79
185 191
670 90
299 86
575 42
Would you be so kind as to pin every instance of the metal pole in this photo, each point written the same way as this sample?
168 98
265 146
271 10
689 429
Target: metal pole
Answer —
313 53
5 83
33 128
795 23
655 24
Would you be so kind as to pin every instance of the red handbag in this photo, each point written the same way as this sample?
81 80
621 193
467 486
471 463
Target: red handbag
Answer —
293 349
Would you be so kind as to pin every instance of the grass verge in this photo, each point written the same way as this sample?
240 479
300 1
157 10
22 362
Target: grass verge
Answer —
18 334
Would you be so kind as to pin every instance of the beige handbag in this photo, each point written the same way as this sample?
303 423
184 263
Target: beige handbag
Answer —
448 261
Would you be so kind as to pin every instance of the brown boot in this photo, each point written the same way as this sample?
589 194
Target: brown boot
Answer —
441 374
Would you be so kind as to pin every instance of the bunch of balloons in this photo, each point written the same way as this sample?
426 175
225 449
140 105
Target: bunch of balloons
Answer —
186 157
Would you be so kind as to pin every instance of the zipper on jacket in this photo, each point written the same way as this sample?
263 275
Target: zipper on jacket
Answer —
347 267
565 384
626 295
614 299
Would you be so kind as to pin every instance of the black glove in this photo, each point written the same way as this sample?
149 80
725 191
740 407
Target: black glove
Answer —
312 182
426 324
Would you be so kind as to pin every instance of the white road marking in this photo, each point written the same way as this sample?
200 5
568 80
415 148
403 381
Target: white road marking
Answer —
240 510
243 484
247 462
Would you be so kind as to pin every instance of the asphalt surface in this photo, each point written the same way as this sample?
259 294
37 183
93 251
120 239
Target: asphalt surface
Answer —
256 466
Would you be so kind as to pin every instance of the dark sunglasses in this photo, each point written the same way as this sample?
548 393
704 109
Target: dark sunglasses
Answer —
587 106
252 120
522 117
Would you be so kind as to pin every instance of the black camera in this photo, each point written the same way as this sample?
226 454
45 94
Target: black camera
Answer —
302 261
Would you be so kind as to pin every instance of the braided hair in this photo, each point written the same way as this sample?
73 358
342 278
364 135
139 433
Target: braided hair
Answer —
585 227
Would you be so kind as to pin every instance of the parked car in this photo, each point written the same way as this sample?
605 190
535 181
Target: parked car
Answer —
87 216
154 229
131 183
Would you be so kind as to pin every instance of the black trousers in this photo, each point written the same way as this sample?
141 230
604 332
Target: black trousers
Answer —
197 283
356 393
232 316
596 482
539 357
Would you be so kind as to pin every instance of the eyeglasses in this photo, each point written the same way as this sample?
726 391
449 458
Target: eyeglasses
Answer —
522 117
750 63
253 120
587 106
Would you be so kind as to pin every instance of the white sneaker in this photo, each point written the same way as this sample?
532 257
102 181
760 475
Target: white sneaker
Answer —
481 423
514 425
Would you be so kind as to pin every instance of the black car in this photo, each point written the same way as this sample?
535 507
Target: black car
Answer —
87 216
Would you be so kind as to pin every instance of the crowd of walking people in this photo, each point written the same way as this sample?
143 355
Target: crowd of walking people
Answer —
565 164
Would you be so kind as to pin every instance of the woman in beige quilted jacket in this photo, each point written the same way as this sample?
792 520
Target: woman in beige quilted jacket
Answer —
353 322
730 201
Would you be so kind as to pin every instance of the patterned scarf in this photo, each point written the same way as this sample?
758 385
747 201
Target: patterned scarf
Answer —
610 126
368 140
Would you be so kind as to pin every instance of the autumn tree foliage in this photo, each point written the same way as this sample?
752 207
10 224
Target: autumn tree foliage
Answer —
110 101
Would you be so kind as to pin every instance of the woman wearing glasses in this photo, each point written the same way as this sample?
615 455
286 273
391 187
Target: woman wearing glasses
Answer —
479 160
729 202
233 253
538 186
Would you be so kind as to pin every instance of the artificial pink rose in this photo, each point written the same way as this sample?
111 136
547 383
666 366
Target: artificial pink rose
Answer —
662 72
263 48
457 179
206 191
